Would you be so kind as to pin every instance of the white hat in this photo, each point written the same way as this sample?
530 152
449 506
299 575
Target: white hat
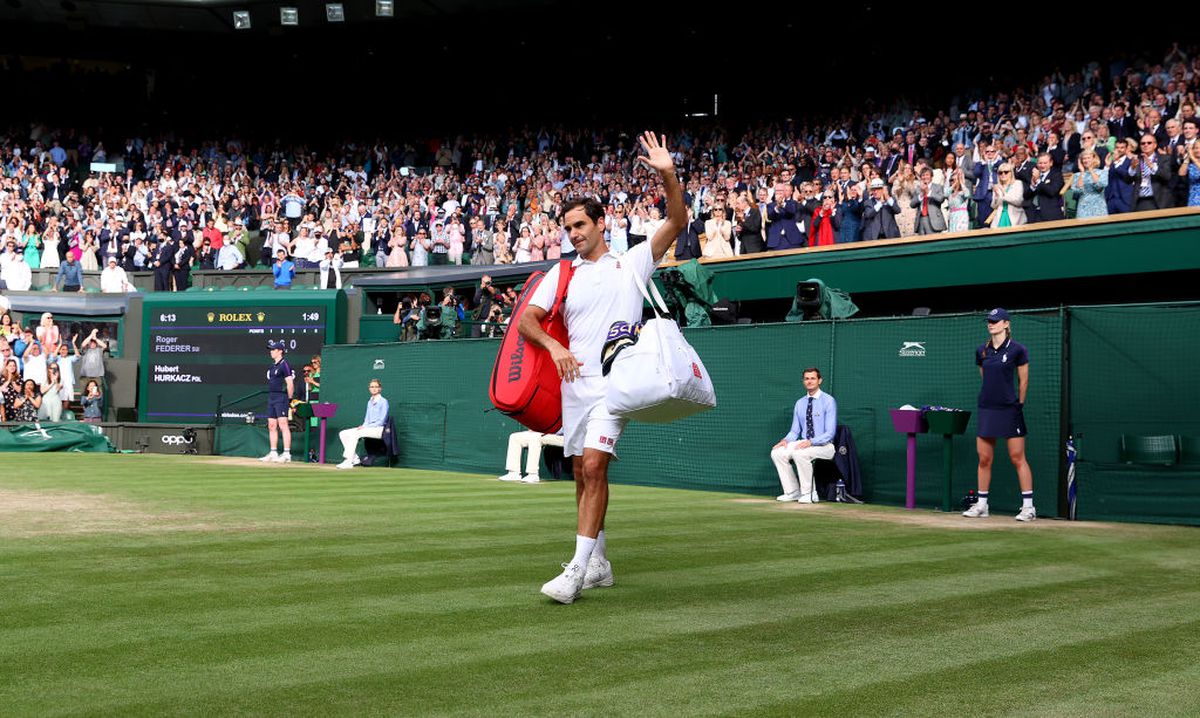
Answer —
876 183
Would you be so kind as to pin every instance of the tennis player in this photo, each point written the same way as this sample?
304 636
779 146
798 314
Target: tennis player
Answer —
602 292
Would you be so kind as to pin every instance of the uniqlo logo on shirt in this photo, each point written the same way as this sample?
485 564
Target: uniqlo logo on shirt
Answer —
696 370
608 441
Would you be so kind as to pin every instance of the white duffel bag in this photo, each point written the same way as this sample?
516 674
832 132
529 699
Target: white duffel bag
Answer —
659 378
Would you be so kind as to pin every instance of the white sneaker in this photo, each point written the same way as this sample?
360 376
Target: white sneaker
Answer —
346 465
283 459
511 476
599 573
978 511
1029 514
356 461
273 456
788 497
531 479
567 586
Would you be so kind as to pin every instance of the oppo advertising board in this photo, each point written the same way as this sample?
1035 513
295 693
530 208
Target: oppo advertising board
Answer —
192 353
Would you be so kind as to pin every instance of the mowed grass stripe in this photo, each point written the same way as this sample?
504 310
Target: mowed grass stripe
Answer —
683 669
398 592
419 597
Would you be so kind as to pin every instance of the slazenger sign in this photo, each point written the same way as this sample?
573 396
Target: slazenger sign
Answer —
913 349
175 440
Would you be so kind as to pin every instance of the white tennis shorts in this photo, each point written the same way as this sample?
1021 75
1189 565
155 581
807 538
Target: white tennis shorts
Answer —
586 421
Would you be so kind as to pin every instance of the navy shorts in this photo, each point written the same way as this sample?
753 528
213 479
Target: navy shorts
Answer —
1006 423
277 406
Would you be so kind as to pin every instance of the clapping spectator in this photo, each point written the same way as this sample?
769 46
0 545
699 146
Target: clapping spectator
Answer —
1089 185
1008 199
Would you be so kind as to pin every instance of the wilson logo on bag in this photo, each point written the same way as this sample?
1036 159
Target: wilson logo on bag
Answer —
525 383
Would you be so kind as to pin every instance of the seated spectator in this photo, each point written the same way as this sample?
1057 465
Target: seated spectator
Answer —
814 423
532 441
372 427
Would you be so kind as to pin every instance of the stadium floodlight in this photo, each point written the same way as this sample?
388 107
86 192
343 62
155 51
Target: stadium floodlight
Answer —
241 20
334 12
384 8
289 16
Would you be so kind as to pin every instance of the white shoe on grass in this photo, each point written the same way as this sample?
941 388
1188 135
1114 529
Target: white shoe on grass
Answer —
1027 514
285 458
347 464
790 496
978 510
567 586
531 479
273 456
599 574
511 476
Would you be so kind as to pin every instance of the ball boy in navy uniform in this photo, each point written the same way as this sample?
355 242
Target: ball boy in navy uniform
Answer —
281 387
1001 411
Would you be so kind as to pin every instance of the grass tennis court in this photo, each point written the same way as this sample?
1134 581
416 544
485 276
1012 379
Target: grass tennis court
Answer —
144 585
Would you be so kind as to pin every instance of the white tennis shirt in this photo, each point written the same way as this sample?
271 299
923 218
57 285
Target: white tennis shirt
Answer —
600 293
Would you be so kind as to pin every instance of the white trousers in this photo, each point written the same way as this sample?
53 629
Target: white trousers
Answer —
533 441
783 458
350 438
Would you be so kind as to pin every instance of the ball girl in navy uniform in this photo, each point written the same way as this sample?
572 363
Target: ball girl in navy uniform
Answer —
281 388
1001 411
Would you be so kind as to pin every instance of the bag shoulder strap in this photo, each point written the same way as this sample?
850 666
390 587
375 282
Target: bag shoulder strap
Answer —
653 291
566 270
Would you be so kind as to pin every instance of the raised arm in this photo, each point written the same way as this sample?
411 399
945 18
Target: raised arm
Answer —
659 159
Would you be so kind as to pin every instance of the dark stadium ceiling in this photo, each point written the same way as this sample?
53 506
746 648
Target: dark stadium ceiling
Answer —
217 15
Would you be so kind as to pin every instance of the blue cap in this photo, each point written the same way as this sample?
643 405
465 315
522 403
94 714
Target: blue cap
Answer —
279 344
997 315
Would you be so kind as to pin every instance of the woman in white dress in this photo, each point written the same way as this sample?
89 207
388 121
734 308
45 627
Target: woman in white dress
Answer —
50 240
718 231
524 248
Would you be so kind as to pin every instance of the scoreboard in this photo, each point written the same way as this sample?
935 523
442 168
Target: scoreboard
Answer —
195 351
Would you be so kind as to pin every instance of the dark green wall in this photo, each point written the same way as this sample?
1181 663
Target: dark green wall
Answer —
438 394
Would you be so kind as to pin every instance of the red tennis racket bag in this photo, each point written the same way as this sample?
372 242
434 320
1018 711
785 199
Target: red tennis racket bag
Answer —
525 383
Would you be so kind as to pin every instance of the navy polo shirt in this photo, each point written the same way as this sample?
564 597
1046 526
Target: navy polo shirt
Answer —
998 390
277 377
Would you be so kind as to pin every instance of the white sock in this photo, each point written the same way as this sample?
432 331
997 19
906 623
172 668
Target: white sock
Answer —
598 552
983 496
583 549
1027 499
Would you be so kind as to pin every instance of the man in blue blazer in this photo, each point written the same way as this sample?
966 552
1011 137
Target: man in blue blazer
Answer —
984 176
1119 193
782 232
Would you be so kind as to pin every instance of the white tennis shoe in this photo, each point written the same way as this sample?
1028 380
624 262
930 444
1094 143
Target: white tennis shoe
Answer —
284 458
273 456
1027 514
599 574
567 586
978 510
511 476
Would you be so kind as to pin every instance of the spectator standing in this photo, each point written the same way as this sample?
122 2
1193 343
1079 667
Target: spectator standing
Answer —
10 388
16 274
284 271
93 403
927 201
847 220
52 389
749 226
27 403
879 213
718 232
1189 169
70 276
1043 196
958 203
35 364
1090 184
984 175
1120 195
91 360
1152 172
113 279
904 190
1008 199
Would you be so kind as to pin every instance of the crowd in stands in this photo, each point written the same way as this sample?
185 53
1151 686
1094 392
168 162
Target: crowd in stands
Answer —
46 371
1106 139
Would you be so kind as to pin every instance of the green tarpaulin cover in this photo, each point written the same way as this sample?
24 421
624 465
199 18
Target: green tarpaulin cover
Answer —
55 437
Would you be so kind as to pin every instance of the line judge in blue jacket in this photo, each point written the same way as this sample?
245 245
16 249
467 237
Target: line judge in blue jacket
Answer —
814 422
